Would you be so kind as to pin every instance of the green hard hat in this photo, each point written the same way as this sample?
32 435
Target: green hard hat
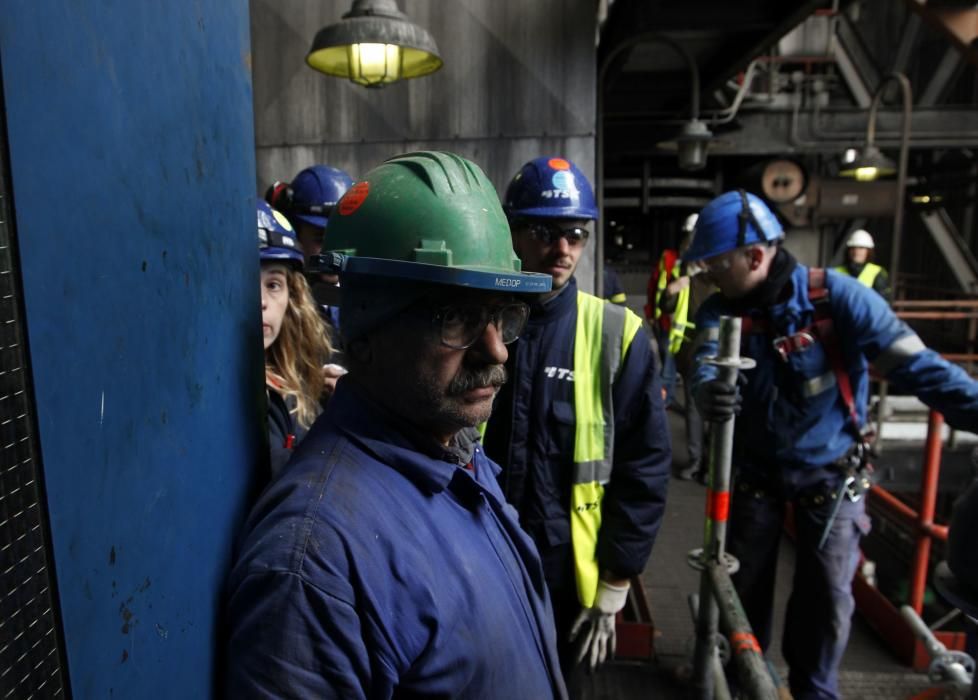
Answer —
426 217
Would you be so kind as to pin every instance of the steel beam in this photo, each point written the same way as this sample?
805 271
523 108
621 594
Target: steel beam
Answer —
769 133
946 70
954 249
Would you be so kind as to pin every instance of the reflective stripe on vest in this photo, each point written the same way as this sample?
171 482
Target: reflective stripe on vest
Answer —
867 276
602 337
680 322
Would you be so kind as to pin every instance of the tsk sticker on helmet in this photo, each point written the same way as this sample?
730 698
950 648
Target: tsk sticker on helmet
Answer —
564 180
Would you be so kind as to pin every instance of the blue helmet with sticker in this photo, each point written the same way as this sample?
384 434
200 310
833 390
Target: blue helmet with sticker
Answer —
550 187
276 239
734 219
315 191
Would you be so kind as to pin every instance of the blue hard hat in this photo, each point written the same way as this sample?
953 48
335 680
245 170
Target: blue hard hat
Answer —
315 191
734 219
550 187
276 239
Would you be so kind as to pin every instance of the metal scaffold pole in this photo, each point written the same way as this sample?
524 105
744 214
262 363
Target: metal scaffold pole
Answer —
713 561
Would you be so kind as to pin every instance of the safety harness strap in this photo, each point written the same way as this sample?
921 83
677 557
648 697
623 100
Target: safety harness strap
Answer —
824 330
821 330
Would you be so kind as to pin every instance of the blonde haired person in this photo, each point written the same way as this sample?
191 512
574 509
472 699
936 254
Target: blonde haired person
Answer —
297 379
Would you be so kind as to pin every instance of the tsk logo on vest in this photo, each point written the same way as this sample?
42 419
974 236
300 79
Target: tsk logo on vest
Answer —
559 373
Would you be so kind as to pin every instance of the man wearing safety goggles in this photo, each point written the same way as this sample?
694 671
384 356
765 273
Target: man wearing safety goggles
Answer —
384 560
579 429
802 436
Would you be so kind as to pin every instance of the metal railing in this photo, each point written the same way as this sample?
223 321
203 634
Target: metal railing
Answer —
872 604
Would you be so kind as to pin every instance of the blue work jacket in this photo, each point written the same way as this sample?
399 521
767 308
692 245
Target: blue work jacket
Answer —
794 422
371 568
531 435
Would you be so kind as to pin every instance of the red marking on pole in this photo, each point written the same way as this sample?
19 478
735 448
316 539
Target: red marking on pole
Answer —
744 641
717 505
352 200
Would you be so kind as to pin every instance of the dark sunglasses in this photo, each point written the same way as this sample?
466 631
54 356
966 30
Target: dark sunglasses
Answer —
549 232
461 325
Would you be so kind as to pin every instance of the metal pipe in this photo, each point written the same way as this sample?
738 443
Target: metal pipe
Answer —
907 94
599 131
717 509
925 517
947 666
898 507
721 688
936 304
752 670
938 315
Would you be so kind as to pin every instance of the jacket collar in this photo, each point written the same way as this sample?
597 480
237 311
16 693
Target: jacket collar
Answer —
563 303
391 440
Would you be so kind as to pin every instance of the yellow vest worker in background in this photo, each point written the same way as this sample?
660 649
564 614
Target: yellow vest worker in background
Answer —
859 249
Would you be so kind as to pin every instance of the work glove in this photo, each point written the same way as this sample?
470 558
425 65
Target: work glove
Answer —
598 624
718 401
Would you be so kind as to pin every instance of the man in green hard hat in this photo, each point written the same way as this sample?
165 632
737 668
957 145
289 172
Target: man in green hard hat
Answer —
383 560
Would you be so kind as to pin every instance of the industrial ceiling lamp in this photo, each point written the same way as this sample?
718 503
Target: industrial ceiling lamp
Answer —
868 164
691 145
695 137
375 44
871 164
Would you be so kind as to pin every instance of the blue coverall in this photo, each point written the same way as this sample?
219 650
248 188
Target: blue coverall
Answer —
793 428
378 565
531 435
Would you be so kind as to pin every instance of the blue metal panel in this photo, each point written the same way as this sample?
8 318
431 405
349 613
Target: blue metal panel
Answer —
131 140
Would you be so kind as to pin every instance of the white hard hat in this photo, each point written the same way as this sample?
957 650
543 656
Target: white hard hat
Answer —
860 238
690 223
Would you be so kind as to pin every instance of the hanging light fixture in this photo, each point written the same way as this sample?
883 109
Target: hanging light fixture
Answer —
375 44
868 164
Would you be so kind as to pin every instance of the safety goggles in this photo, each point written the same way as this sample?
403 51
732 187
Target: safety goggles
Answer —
718 263
461 325
549 232
273 239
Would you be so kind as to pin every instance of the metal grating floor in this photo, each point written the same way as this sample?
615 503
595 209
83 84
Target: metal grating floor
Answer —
30 658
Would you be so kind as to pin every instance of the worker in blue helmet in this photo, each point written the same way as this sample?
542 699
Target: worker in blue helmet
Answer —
579 430
802 433
298 377
307 202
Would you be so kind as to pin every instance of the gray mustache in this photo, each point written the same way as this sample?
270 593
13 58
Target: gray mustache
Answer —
493 375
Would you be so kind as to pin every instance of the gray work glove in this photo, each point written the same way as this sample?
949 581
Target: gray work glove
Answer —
718 401
598 624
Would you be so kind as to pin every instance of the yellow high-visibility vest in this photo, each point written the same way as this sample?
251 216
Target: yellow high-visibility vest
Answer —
867 276
603 335
679 323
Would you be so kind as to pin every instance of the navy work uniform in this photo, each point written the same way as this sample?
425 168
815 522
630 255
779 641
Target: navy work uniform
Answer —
609 511
796 441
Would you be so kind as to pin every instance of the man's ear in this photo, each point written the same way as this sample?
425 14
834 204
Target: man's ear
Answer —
756 256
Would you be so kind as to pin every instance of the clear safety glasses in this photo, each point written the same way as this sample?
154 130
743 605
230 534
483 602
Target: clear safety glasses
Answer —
462 325
549 232
718 263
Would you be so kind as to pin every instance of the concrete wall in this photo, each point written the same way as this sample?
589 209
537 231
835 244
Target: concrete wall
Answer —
518 82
